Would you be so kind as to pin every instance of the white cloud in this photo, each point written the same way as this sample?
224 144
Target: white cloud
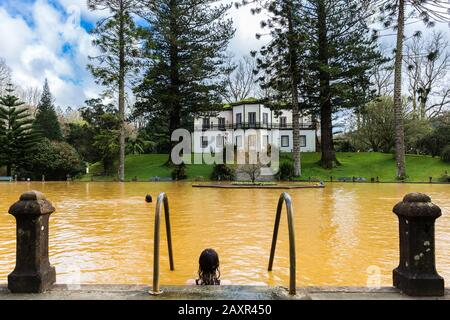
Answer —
34 48
47 41
247 26
33 43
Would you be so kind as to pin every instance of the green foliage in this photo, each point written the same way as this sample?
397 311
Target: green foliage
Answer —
445 154
55 160
344 145
81 137
326 46
98 138
375 130
106 143
116 38
138 145
435 142
18 139
445 178
46 120
286 171
341 54
185 49
179 172
223 172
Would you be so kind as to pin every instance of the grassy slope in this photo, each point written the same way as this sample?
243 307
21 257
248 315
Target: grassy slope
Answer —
146 166
368 165
362 164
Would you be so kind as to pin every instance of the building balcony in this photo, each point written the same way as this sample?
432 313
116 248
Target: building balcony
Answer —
253 125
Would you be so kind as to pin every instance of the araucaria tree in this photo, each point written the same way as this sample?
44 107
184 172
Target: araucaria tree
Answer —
46 120
278 62
340 59
185 46
17 137
116 39
395 14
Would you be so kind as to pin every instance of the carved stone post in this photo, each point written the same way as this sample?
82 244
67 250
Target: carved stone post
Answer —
33 272
416 274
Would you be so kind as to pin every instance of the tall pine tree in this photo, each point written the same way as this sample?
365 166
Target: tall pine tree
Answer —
340 59
396 14
185 54
17 137
46 120
279 61
116 38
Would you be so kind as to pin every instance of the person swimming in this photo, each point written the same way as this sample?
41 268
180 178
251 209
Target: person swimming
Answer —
208 270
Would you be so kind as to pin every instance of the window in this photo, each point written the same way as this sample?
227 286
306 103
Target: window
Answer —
206 123
204 142
238 118
283 123
302 141
285 141
221 123
239 141
252 118
265 118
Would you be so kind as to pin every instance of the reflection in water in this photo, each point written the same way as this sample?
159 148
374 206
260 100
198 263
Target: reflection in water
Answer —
103 232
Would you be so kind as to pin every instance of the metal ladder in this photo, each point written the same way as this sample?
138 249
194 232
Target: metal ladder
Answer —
162 198
285 197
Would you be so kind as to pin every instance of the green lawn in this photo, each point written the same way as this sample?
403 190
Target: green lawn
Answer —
363 164
372 165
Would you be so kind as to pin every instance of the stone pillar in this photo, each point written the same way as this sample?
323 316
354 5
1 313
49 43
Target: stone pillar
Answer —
416 274
33 272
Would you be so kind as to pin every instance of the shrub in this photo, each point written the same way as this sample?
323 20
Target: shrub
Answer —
286 171
435 142
223 172
445 178
445 154
55 160
344 146
179 172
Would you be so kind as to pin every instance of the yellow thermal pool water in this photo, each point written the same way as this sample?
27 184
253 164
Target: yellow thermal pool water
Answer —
103 232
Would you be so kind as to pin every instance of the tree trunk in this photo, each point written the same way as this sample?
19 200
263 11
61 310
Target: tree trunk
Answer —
121 171
398 108
294 92
175 108
328 159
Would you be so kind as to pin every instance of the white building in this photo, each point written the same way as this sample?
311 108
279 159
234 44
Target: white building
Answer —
254 124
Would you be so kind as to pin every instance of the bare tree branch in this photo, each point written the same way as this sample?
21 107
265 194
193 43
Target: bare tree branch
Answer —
240 82
428 67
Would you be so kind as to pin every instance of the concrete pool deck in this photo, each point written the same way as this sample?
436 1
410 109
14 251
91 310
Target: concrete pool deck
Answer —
140 292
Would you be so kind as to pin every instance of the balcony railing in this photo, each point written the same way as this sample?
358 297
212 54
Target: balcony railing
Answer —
254 125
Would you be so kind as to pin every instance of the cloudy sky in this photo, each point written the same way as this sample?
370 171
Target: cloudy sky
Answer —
50 39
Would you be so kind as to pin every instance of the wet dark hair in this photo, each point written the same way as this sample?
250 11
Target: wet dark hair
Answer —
208 270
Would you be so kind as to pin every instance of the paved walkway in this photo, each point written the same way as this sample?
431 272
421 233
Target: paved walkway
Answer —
140 292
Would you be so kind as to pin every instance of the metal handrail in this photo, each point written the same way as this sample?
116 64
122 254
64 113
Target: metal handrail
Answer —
253 125
161 198
285 197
